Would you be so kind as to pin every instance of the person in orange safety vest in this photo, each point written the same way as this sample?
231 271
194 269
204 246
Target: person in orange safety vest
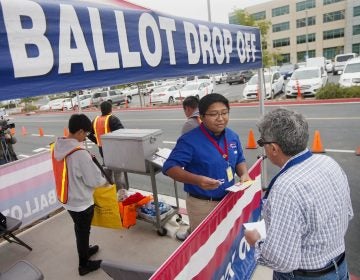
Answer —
104 124
76 177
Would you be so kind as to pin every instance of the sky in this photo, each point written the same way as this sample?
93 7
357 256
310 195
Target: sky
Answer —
197 9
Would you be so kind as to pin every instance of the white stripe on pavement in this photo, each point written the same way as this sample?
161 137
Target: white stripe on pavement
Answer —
40 150
45 135
169 142
22 156
340 151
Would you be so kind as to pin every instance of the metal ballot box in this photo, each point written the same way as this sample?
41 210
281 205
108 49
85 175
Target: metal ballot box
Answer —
128 149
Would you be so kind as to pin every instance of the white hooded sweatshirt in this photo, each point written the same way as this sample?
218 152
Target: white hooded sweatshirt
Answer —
83 174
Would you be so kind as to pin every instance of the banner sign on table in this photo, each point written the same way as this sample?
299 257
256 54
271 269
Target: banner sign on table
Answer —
27 188
217 249
55 46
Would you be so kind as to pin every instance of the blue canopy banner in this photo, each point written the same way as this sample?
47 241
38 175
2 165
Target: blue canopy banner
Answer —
55 46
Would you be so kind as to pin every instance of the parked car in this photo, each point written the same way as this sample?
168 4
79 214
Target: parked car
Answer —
112 96
274 84
198 79
132 90
239 77
220 78
329 66
340 61
85 101
61 104
286 70
147 88
3 114
164 94
195 89
310 80
351 74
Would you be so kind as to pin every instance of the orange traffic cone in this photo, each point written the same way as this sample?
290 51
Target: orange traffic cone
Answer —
66 132
23 131
317 146
299 95
41 132
358 151
251 144
12 131
126 103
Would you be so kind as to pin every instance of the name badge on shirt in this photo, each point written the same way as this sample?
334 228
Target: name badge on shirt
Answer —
230 174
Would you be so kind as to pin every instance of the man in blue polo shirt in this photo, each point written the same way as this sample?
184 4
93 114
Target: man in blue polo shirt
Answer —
206 160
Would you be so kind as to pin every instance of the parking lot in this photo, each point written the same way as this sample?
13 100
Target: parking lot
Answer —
233 92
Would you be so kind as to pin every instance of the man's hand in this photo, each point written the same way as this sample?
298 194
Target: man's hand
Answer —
207 183
245 177
252 236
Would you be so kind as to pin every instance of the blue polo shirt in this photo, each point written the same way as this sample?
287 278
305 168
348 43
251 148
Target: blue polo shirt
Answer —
196 154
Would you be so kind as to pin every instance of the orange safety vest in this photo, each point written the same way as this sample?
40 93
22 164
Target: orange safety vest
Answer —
61 174
101 126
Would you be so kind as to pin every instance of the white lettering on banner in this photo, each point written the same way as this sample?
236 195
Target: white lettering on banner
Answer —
70 25
168 25
19 37
229 273
129 59
245 44
253 46
192 36
240 45
33 54
31 207
147 21
104 60
217 37
227 44
244 248
205 43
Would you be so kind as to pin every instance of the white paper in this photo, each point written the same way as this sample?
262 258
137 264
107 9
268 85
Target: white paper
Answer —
259 226
240 187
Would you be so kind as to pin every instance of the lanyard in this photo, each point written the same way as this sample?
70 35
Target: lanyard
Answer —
224 154
289 164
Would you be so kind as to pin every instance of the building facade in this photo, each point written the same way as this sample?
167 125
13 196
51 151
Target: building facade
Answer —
309 28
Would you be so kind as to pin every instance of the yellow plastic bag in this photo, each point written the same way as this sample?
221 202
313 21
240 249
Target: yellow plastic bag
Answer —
106 211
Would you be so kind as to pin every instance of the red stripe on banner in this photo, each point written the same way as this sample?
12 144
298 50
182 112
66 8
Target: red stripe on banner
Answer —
25 186
201 234
176 262
223 249
23 163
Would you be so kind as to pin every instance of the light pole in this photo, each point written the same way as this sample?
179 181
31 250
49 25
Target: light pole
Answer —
307 37
209 10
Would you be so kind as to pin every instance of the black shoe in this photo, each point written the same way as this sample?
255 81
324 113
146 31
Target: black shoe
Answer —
93 250
89 267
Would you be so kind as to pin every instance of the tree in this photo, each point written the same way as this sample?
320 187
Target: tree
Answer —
243 18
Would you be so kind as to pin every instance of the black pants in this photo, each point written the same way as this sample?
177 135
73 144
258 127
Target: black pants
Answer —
82 225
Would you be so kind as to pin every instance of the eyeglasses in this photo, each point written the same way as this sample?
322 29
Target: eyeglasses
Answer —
261 142
215 115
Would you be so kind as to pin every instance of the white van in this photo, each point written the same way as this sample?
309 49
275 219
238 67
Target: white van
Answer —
340 61
351 74
309 79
